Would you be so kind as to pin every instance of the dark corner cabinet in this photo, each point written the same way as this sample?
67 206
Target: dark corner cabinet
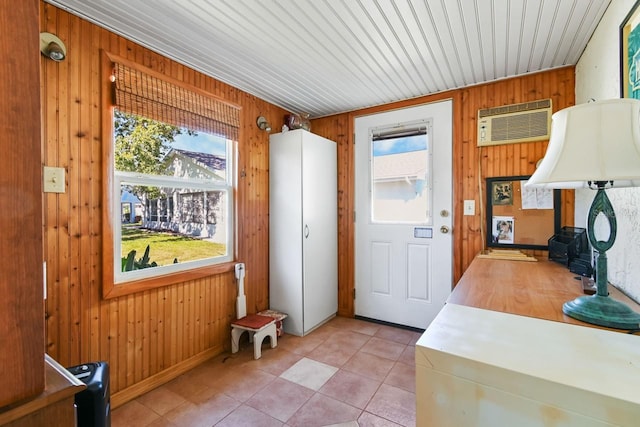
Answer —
303 229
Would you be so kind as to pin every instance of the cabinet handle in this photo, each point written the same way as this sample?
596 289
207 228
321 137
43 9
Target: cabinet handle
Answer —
306 231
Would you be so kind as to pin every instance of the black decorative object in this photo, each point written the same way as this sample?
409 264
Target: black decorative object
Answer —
568 244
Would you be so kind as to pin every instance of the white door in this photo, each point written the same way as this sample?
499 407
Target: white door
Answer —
403 178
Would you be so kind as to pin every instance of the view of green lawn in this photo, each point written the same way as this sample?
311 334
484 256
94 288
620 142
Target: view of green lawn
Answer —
165 247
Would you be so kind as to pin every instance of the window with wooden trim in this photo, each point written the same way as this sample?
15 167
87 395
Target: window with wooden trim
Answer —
170 180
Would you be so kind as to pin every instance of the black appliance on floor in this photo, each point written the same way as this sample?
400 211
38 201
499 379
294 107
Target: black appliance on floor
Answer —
93 404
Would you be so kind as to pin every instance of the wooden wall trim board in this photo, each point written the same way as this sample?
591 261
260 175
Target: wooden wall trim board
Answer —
162 377
150 334
21 292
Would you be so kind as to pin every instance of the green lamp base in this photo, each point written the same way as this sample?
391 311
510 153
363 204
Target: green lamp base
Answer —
602 311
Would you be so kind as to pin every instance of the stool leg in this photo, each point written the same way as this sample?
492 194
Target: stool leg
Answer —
257 349
258 337
235 339
274 337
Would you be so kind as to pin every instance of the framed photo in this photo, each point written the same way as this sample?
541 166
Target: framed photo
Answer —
630 54
502 193
503 229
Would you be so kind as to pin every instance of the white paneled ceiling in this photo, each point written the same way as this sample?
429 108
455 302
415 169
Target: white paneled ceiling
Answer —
330 56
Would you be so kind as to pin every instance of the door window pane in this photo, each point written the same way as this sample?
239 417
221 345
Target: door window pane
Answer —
400 174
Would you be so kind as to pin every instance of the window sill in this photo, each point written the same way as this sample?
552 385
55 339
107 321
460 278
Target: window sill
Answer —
112 290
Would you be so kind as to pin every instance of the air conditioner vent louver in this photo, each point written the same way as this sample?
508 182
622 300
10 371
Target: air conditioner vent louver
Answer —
530 121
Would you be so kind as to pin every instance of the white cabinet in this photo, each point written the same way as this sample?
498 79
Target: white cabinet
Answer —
303 231
483 368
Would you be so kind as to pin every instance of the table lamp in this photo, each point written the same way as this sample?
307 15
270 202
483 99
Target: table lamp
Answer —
595 145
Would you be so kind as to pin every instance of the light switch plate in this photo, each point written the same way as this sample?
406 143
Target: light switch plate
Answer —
53 180
469 207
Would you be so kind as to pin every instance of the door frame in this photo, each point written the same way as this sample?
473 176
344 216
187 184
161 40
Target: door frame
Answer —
454 210
340 128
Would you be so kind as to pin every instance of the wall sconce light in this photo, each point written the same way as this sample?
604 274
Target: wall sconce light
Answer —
263 124
52 47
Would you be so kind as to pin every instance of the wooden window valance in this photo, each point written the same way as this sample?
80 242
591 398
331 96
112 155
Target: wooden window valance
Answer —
149 95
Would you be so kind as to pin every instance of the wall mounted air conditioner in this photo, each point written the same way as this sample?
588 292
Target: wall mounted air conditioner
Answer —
530 121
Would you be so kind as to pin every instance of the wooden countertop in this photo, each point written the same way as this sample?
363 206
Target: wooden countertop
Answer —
534 289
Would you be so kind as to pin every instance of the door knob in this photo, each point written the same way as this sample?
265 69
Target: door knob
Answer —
444 229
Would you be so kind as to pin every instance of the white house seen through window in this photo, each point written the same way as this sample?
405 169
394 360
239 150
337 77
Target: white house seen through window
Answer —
401 177
174 190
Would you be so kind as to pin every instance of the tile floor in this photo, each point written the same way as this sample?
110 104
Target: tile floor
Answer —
348 372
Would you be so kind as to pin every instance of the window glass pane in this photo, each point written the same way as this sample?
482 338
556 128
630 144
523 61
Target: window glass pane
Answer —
175 187
147 146
177 225
400 173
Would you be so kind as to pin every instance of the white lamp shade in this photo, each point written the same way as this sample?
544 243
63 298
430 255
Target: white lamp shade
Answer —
597 141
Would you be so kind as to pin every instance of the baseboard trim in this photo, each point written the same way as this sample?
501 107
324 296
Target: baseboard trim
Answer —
163 377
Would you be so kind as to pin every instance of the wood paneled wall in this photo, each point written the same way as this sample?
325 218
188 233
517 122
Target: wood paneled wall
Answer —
471 164
155 333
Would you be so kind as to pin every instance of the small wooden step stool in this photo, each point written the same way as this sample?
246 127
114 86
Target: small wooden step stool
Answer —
258 328
267 323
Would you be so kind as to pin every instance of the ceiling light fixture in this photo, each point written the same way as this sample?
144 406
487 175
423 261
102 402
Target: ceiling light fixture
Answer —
52 47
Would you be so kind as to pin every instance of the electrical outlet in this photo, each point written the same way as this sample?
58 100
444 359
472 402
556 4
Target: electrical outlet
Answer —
53 180
469 207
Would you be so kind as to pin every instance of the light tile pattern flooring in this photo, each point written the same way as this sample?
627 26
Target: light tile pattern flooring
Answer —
348 373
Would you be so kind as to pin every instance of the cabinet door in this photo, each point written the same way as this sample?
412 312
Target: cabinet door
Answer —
285 225
319 212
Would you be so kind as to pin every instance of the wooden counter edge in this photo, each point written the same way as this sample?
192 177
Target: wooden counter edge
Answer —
531 289
59 384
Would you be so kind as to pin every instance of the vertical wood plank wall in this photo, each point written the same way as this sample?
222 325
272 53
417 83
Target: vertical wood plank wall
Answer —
471 164
142 334
21 325
145 334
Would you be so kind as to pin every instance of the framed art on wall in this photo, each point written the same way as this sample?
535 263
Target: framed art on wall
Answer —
630 54
502 193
